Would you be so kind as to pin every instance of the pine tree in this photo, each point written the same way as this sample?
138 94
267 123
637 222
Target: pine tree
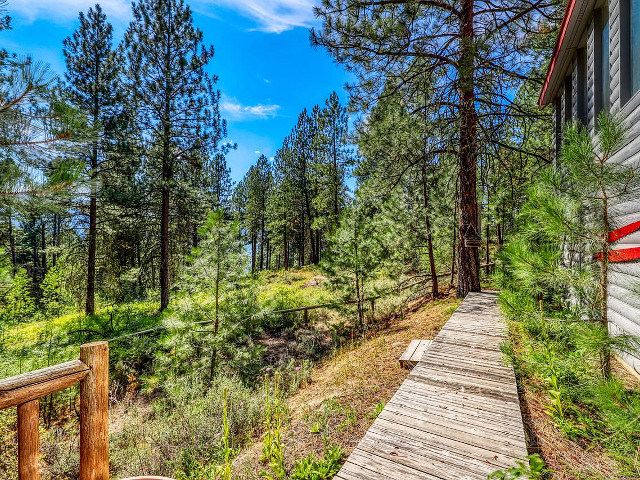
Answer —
334 159
396 149
92 73
216 266
251 201
354 256
593 183
177 105
472 51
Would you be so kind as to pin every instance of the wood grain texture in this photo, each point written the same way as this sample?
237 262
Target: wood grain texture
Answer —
414 353
94 413
457 416
33 385
29 441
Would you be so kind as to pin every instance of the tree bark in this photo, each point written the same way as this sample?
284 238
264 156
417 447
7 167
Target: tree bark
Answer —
12 245
43 247
253 253
89 308
262 244
432 262
454 240
164 248
285 250
469 261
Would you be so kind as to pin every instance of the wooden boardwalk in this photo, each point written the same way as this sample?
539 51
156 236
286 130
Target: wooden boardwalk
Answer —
457 416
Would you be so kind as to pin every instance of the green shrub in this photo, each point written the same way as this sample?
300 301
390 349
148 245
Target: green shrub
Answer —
184 432
314 468
18 303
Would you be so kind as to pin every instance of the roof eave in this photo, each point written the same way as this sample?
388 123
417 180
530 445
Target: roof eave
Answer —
564 26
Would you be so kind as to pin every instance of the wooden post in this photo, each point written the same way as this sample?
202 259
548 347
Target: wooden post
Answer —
94 413
28 441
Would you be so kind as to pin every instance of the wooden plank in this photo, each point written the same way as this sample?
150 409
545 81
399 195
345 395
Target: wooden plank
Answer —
420 351
414 353
33 385
405 358
94 413
431 449
444 445
28 441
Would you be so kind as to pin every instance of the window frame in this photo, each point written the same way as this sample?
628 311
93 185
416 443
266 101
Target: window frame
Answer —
627 52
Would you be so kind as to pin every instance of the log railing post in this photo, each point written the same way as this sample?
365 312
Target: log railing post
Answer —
28 441
94 413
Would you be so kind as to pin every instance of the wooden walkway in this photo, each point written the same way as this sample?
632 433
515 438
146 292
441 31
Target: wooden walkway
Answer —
457 416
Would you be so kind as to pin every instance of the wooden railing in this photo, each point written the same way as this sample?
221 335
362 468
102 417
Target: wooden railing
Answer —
24 391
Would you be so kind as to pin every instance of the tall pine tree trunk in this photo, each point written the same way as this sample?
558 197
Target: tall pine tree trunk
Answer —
43 247
285 249
432 262
12 244
164 250
469 261
90 306
262 245
164 214
454 241
253 253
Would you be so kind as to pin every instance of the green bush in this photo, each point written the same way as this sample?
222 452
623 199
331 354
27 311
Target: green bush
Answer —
314 468
18 303
183 433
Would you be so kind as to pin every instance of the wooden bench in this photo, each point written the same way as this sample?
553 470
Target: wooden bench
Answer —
414 353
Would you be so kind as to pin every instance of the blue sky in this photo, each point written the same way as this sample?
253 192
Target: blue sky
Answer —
268 71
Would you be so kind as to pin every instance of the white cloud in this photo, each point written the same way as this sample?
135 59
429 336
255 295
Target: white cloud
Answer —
257 152
67 9
273 16
234 110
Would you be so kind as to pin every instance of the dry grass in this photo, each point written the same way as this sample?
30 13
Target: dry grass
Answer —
340 402
567 459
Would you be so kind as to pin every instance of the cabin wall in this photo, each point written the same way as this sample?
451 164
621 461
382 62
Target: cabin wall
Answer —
624 278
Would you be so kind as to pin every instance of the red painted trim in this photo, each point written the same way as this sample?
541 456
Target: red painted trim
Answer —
624 232
556 51
623 255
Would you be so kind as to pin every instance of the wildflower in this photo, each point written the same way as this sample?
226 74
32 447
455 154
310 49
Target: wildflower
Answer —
298 368
268 369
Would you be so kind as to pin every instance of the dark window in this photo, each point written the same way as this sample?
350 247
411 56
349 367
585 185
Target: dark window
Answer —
601 87
568 99
581 86
558 124
634 44
606 78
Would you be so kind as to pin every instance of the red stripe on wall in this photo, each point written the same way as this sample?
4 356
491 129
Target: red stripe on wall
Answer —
623 255
624 231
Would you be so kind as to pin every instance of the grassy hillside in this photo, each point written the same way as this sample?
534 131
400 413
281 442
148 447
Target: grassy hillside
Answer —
166 410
